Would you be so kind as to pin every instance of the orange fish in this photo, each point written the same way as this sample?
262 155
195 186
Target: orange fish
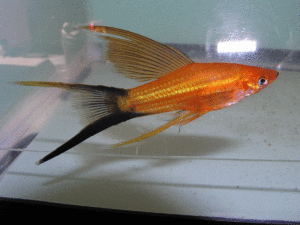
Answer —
178 85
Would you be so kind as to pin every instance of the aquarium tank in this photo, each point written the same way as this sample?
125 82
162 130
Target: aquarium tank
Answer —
240 163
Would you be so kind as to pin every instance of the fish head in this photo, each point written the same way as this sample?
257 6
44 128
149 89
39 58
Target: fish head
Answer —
255 79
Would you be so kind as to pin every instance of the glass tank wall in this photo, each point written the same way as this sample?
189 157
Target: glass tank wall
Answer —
241 162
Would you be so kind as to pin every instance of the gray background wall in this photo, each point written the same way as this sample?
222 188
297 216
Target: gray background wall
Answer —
273 23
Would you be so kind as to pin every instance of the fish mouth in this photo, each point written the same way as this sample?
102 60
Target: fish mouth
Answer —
277 74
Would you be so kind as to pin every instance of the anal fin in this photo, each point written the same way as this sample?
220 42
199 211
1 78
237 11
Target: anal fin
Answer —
180 119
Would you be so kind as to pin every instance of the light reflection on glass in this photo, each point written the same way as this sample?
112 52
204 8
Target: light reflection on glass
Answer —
236 46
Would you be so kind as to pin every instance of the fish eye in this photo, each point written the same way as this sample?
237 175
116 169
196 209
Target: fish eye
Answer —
262 81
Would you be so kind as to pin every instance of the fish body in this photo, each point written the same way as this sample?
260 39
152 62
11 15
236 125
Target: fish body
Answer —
176 84
198 87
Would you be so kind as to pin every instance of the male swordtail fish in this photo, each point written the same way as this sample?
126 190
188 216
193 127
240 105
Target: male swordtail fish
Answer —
176 84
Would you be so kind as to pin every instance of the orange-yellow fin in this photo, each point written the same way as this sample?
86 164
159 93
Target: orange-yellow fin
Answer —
189 119
182 118
138 57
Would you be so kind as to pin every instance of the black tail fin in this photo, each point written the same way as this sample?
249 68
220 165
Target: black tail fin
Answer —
90 130
98 106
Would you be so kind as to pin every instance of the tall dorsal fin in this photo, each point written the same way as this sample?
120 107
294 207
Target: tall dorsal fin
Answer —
138 57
